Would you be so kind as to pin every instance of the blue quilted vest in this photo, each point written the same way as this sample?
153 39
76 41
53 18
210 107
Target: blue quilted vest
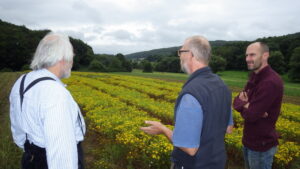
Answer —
215 99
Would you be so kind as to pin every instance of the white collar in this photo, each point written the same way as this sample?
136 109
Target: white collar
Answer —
47 73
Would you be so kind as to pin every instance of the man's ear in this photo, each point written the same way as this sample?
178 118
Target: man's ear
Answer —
266 55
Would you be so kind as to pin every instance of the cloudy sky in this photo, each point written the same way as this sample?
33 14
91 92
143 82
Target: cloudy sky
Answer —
127 26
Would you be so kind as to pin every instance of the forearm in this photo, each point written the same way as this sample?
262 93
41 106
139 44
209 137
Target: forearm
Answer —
250 115
168 133
238 104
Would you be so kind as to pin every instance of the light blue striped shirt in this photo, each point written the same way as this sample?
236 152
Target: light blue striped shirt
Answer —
49 116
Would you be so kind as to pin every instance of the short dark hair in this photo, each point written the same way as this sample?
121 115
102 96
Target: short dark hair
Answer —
264 47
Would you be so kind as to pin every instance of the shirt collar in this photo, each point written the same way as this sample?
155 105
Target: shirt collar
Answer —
261 74
197 73
47 73
200 71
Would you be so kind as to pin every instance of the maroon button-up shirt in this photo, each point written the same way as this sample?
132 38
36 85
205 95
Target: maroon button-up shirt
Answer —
265 91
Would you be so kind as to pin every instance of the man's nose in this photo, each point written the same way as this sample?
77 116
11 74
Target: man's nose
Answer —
248 58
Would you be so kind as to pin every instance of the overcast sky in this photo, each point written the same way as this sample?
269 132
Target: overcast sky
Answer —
127 26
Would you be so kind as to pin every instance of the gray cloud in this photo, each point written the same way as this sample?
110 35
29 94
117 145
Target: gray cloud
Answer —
112 26
120 35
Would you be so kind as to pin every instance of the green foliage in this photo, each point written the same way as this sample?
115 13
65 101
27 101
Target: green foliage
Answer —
230 52
217 63
276 60
135 64
10 154
147 67
115 65
168 52
294 72
25 67
83 53
240 62
155 52
6 70
97 66
111 63
168 64
126 64
18 44
154 58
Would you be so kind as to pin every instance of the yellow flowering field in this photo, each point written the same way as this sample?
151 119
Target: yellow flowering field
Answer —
116 107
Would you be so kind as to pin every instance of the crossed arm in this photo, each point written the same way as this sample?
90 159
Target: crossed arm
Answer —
257 107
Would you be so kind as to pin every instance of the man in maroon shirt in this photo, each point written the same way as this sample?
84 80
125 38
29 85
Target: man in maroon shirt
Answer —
259 105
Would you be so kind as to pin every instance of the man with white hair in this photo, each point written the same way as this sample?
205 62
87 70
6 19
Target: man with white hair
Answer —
202 112
46 122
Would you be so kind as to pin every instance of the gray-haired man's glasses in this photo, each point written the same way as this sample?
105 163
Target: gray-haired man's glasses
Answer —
181 51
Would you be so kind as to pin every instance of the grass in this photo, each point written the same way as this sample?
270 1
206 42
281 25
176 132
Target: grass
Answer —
10 154
234 79
157 75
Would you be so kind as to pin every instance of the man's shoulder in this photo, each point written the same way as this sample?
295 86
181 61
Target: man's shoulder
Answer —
15 88
52 88
272 78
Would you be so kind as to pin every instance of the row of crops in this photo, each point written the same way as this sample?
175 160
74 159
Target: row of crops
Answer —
117 106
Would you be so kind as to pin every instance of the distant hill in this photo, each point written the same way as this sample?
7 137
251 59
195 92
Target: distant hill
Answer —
161 51
171 51
285 44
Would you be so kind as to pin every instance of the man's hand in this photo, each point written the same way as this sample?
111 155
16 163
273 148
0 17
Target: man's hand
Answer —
265 115
246 106
229 129
243 96
154 128
157 128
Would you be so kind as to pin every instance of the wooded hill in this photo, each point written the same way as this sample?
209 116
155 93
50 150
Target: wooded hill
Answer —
18 44
169 51
230 55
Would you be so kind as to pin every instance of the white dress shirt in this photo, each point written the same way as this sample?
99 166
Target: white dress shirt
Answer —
49 116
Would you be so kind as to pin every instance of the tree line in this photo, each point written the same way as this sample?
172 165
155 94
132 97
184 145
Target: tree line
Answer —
18 44
284 56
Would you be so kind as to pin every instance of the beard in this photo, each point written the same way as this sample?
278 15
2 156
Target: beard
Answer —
184 67
66 72
254 66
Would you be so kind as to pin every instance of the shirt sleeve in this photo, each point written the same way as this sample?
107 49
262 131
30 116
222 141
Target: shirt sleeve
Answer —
238 104
15 114
60 141
258 104
188 124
